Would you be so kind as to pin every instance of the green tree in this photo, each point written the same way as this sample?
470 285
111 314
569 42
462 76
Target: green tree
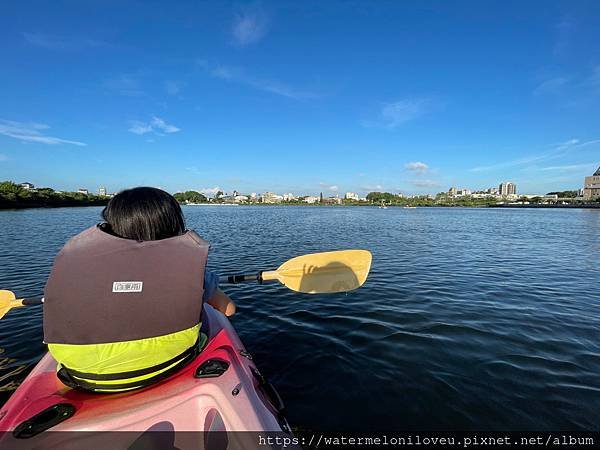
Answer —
8 187
190 196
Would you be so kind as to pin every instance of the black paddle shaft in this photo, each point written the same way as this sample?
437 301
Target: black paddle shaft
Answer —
234 279
33 301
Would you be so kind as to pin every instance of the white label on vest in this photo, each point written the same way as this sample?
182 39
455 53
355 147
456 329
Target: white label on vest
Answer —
127 286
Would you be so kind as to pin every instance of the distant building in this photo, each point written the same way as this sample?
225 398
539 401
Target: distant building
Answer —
27 186
333 200
452 191
310 199
289 197
270 197
102 191
591 186
83 191
507 188
240 198
351 196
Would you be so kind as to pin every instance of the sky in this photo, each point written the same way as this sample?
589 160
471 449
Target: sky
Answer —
301 97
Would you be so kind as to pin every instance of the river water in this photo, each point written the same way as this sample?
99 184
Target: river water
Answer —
471 319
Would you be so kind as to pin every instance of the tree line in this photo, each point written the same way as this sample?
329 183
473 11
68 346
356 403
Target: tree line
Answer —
13 196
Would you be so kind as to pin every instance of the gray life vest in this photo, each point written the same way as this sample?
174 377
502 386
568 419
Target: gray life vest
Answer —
106 289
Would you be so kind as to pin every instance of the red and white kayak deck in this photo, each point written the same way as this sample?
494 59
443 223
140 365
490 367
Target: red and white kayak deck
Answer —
234 397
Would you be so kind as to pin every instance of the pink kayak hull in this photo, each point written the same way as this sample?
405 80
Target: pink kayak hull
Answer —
233 401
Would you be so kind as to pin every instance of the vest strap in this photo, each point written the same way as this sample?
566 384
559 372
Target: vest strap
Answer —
72 377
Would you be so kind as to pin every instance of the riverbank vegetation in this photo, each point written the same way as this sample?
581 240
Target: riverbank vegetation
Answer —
14 196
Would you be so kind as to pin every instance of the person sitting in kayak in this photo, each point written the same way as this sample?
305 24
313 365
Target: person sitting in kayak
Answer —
123 303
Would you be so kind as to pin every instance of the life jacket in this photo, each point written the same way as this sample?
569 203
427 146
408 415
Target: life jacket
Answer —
120 314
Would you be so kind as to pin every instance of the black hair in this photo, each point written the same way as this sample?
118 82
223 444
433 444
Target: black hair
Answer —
144 214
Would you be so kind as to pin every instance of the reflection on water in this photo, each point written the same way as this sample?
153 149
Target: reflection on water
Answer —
471 319
11 373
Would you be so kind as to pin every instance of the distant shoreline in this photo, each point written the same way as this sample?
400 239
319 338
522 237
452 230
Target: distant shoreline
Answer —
103 202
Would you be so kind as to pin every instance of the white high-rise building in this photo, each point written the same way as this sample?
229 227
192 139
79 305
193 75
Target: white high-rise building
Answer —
507 188
351 196
102 191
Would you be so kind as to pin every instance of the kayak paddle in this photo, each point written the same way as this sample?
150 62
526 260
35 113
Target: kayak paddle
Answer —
315 273
9 301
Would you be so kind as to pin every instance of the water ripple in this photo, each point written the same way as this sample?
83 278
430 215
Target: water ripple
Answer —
471 319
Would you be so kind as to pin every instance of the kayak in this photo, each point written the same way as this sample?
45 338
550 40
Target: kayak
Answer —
221 390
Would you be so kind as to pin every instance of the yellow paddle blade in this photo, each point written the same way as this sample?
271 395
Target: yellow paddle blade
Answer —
6 298
322 273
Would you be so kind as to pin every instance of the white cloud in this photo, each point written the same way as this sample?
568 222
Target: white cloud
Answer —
160 124
32 132
331 187
237 75
551 86
157 126
571 167
555 152
140 128
417 166
62 43
127 84
392 115
210 191
249 27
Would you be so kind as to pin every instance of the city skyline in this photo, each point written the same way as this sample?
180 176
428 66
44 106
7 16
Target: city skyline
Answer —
292 97
504 189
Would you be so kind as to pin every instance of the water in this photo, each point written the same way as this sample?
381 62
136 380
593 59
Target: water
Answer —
471 319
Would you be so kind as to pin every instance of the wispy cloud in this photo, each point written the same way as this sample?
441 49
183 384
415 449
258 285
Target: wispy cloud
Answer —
238 75
594 79
32 132
557 151
571 167
564 31
372 188
127 84
3 157
394 114
331 187
61 43
249 27
173 87
416 166
551 86
156 125
425 183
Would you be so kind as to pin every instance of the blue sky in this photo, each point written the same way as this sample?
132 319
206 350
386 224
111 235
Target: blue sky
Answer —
300 97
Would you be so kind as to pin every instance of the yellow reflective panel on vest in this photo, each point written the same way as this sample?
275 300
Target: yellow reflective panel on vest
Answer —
127 356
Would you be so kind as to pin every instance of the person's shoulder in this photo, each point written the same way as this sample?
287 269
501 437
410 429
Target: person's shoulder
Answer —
191 234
